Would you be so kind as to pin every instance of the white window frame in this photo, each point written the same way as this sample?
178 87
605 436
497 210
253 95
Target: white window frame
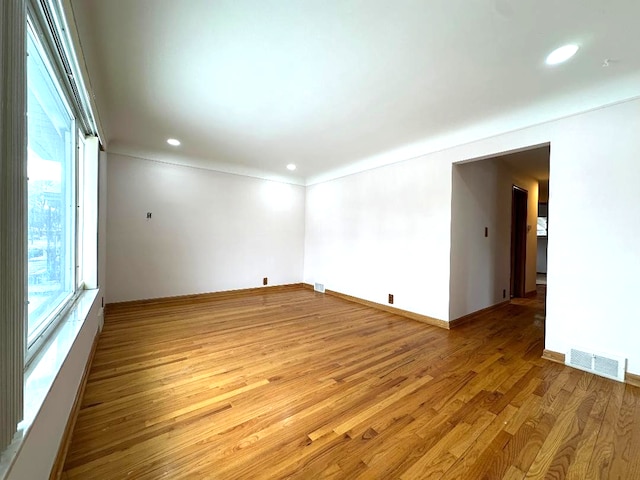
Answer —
40 336
26 378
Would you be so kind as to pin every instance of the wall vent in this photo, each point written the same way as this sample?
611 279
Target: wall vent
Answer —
605 365
319 287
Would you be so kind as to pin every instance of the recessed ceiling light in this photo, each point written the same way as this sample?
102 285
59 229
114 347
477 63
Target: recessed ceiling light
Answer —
173 141
561 54
291 167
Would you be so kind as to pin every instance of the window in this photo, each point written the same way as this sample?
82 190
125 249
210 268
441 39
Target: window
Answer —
542 219
50 231
51 166
542 226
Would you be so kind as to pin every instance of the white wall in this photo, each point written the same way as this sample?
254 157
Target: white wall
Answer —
481 266
40 446
384 231
209 231
593 256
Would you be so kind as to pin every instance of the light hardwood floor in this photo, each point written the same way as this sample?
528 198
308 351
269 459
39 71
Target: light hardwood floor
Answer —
292 383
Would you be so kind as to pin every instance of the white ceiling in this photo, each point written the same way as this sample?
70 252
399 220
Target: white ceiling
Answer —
337 86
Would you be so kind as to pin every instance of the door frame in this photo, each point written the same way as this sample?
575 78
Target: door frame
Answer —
519 212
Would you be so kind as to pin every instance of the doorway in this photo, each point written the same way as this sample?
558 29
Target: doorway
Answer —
519 199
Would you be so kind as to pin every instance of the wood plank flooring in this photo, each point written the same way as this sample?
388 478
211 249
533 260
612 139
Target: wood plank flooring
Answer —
295 384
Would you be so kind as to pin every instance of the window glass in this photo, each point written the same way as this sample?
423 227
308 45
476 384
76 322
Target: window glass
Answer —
542 226
543 208
51 218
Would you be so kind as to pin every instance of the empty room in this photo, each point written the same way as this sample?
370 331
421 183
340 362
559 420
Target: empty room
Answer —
308 239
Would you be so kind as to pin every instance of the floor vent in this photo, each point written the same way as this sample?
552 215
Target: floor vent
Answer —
605 365
318 287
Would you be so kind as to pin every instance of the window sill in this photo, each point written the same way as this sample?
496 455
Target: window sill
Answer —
44 369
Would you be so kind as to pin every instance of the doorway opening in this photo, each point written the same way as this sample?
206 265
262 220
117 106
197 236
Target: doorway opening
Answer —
494 242
519 199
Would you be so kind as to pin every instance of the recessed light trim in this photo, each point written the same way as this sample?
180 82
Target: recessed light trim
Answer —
173 142
562 54
291 167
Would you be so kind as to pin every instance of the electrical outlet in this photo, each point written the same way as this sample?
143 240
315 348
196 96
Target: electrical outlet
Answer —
265 281
391 299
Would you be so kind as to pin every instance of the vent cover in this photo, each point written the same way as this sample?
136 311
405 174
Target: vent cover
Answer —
319 287
605 365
